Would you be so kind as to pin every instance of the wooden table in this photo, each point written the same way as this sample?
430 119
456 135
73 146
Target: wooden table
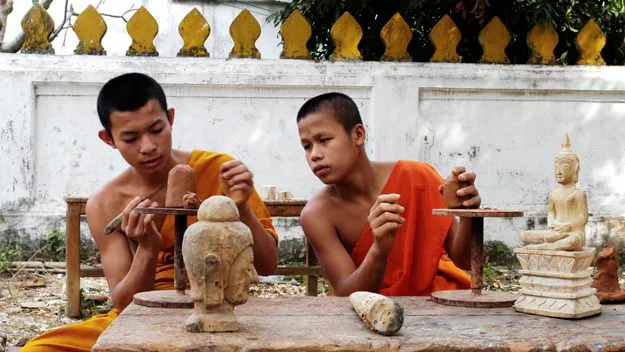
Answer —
329 324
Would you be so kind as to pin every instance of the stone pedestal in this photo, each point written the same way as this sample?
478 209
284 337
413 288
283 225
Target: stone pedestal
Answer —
557 283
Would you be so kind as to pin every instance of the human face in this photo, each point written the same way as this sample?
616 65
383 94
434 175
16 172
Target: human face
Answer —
143 137
330 151
242 274
564 169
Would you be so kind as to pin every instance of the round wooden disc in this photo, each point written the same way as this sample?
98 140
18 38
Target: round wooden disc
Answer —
163 299
465 298
166 211
480 213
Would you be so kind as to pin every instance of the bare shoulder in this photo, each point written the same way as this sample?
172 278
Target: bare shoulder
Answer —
105 203
317 203
316 211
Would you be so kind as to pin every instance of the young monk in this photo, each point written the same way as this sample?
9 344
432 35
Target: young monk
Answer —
138 123
372 226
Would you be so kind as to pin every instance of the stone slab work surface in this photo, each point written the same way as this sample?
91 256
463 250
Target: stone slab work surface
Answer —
330 324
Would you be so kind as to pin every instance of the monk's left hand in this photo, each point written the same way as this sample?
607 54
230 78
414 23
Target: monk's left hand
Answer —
237 181
470 192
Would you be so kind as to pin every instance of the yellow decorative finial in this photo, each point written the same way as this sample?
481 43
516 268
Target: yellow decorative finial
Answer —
589 42
542 39
244 31
494 39
346 34
295 32
396 35
445 37
37 26
194 30
142 28
90 29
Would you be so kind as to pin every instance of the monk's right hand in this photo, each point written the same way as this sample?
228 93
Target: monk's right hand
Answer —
141 228
384 220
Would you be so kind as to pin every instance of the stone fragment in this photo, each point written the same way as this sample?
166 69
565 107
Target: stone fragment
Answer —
380 313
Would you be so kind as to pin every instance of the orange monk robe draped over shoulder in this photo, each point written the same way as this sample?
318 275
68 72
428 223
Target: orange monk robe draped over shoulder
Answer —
82 336
417 264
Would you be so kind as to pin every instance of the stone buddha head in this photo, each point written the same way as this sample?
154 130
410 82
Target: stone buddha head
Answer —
219 259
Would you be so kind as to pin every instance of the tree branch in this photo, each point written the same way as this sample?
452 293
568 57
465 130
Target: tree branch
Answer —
62 24
6 7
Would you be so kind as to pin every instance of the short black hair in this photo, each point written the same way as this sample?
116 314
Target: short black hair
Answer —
343 109
128 92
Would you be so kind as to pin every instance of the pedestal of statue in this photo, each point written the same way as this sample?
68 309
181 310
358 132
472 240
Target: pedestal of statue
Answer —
557 283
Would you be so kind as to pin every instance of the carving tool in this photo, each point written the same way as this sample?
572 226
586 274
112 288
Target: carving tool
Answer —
114 224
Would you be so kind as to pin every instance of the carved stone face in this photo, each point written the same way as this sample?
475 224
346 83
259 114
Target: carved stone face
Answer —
566 169
242 274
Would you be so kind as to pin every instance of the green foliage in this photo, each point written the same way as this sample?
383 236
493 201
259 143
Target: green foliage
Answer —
53 246
7 254
489 273
519 16
499 253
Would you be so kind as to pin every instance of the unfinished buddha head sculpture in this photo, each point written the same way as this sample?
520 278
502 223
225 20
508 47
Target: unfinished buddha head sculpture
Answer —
567 208
219 260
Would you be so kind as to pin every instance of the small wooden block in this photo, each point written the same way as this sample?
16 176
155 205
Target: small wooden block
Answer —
479 213
163 299
465 298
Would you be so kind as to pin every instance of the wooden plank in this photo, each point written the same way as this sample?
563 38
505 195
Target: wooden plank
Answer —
281 270
275 210
299 270
329 323
312 282
72 259
289 208
76 199
479 213
92 272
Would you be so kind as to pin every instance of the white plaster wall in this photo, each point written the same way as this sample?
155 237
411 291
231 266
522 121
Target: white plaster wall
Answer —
504 122
168 15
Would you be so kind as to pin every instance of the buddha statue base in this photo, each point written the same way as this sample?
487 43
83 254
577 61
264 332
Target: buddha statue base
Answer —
212 322
557 283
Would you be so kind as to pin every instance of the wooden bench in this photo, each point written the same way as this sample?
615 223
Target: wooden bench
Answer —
76 208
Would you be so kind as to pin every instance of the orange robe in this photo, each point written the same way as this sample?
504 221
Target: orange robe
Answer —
417 264
83 335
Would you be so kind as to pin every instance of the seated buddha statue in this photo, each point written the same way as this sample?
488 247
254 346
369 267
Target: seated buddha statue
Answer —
568 208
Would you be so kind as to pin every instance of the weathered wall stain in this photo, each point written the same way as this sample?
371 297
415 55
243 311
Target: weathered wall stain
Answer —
531 224
474 152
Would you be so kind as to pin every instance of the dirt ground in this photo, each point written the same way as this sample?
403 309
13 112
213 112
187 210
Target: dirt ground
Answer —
31 304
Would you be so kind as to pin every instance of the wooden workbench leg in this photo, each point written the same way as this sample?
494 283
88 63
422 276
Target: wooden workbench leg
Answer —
477 257
72 259
179 269
311 280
